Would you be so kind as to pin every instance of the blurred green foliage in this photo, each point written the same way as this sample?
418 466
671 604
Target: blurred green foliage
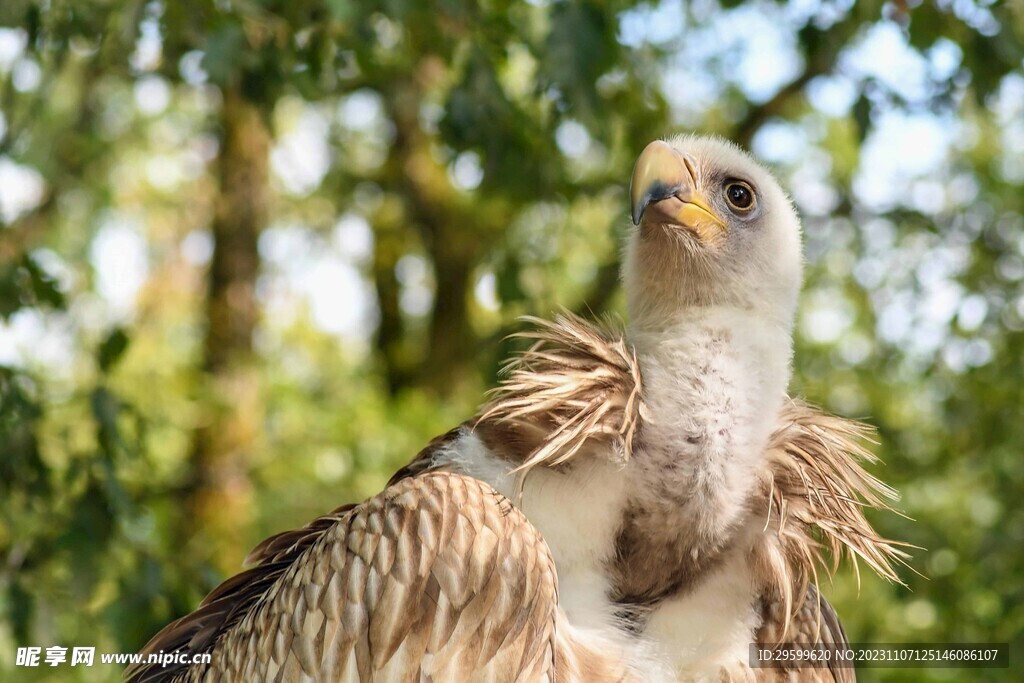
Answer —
436 170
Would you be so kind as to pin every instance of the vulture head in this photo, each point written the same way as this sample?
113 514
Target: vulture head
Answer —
713 228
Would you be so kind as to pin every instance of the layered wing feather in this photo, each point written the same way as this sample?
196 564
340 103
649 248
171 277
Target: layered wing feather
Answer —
815 622
437 578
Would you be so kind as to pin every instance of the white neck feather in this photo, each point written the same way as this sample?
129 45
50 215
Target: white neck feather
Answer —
714 382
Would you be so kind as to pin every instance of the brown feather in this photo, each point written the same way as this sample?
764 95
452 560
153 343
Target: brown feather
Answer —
577 381
814 495
815 622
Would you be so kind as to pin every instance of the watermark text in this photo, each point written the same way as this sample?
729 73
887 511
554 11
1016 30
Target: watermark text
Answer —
57 655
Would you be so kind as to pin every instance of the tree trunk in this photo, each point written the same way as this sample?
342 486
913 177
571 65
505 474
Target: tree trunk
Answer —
390 337
451 342
218 501
452 233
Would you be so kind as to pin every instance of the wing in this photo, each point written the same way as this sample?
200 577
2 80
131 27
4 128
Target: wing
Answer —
437 578
815 621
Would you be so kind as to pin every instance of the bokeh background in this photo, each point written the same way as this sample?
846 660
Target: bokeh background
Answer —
255 253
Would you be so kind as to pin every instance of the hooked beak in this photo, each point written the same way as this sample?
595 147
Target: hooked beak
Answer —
663 190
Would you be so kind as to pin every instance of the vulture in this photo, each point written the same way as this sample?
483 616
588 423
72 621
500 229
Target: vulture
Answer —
632 503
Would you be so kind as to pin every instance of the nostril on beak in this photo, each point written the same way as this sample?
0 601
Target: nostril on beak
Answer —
688 161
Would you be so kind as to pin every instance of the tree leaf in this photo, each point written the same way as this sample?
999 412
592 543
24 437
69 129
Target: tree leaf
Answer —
112 348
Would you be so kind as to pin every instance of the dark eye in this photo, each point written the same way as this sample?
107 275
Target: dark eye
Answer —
739 195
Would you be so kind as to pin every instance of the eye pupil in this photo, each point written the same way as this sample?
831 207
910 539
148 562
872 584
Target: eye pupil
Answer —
739 196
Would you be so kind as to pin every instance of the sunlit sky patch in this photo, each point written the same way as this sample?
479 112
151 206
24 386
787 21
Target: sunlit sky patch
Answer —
21 189
26 75
33 338
149 47
656 23
417 293
301 156
782 142
465 172
152 95
197 248
883 54
302 269
900 149
360 111
486 291
759 40
120 260
832 95
12 43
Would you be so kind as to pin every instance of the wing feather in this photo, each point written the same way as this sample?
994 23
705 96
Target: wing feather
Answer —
416 583
815 621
